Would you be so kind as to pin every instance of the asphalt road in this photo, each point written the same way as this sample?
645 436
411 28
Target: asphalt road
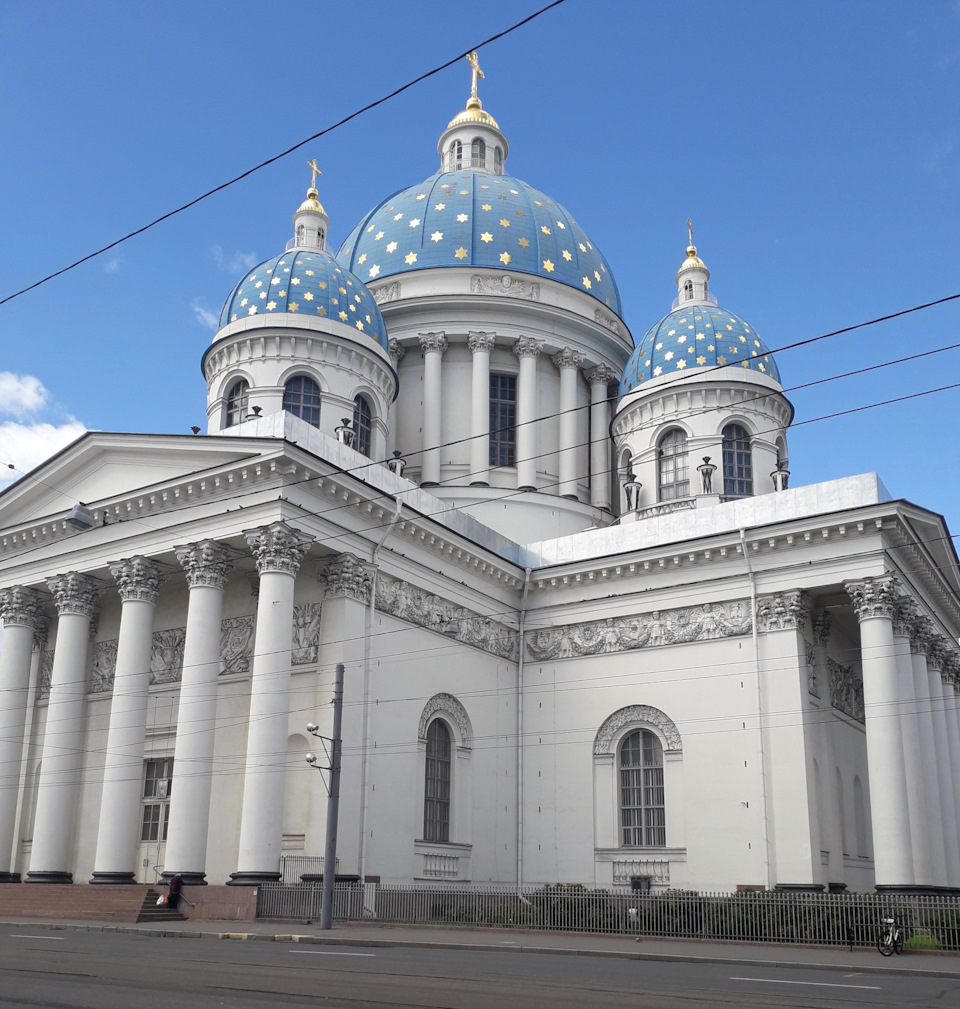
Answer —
92 970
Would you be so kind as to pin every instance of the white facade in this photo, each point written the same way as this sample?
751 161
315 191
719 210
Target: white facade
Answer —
581 660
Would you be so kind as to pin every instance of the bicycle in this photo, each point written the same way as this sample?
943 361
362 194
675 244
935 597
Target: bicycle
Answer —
890 937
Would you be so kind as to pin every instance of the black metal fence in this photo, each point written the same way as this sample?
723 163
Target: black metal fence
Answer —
834 919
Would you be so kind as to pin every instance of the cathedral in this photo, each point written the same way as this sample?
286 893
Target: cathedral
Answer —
590 632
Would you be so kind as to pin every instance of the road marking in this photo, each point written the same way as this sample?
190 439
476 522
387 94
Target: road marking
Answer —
816 984
57 938
323 952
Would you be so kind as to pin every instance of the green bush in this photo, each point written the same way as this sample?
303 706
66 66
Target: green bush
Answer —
922 940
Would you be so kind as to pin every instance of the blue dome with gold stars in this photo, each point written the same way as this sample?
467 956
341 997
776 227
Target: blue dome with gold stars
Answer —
476 219
307 282
693 337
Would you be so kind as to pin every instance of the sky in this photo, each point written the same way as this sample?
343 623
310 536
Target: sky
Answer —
815 146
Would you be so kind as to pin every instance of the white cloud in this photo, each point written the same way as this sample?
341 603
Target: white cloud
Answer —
20 394
203 314
25 446
112 265
237 262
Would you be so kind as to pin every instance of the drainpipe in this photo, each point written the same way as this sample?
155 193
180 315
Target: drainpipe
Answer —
367 629
521 624
756 668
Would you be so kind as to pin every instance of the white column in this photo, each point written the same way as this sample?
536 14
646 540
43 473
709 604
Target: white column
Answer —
397 352
943 772
951 711
279 549
21 610
433 346
138 580
527 350
874 600
75 596
599 378
207 565
919 759
480 345
568 364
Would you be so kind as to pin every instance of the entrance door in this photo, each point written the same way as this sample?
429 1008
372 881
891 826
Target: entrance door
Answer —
157 783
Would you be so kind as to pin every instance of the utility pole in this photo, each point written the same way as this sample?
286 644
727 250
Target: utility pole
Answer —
333 792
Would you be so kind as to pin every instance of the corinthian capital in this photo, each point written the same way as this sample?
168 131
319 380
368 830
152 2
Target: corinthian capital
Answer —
433 342
782 611
822 623
397 351
206 563
482 342
345 575
278 547
905 616
874 597
138 578
920 633
526 346
74 593
21 605
600 375
567 358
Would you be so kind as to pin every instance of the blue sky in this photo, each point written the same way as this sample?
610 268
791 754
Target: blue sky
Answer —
815 145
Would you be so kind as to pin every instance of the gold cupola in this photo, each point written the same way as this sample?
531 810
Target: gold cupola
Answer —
693 277
472 139
310 222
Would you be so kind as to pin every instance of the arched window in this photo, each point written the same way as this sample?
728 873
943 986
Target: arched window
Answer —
673 475
688 290
457 152
478 153
497 160
301 231
301 397
238 401
436 789
362 425
737 464
320 237
642 814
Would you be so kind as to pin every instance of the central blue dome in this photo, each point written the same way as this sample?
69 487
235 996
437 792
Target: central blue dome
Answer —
480 220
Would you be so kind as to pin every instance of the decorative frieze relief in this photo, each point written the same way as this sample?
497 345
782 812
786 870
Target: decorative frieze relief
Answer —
236 645
450 706
638 715
512 287
306 633
782 611
345 575
607 321
874 597
166 655
389 292
647 630
406 601
103 665
846 689
21 605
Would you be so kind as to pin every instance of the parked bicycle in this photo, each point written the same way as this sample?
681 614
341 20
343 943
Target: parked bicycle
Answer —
890 937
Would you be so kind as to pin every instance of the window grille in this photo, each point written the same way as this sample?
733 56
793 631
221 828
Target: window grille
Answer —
737 462
642 813
238 402
503 420
436 799
301 397
362 425
672 466
157 785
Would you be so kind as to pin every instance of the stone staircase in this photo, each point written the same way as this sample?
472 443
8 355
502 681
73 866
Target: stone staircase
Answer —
151 912
80 902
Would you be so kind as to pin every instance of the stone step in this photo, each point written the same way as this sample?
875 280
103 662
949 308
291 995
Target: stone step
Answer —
74 902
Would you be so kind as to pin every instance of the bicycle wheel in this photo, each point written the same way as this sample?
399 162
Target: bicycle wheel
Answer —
898 941
884 943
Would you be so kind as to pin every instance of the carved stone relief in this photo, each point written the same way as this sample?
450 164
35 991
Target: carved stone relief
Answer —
236 644
811 669
647 630
846 689
166 658
406 601
306 633
639 715
782 611
389 292
103 666
46 672
603 319
505 284
450 706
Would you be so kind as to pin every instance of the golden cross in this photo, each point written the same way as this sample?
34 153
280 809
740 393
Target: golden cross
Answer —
312 165
690 229
477 72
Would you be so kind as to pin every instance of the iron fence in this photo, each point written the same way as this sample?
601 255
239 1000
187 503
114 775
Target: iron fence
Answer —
827 919
292 867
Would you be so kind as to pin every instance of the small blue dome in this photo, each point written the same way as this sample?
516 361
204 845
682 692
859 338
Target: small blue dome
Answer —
475 219
309 282
702 336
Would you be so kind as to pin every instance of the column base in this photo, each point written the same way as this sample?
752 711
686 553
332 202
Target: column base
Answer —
189 878
917 888
49 877
429 483
114 877
800 887
252 878
9 877
527 487
477 483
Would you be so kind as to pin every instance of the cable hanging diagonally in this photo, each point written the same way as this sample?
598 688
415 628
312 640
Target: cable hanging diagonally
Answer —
277 157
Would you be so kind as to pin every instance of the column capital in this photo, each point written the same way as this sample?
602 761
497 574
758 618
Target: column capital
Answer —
433 342
397 350
278 547
21 605
938 649
481 342
206 563
874 597
138 578
74 593
905 616
601 374
567 358
822 622
345 575
782 611
921 631
526 346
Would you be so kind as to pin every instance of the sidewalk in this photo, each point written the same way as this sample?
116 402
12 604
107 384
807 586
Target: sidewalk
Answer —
549 943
